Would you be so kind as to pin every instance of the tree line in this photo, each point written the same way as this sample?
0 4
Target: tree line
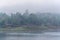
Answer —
18 19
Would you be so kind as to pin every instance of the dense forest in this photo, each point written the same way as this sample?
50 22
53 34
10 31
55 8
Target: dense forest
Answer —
18 19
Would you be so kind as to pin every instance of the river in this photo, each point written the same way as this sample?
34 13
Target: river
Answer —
30 36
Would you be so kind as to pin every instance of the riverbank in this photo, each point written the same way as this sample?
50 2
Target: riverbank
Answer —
29 29
22 29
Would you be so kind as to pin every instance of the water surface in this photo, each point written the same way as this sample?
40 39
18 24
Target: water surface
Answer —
30 36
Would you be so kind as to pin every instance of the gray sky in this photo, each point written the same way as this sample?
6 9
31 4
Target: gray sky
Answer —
33 5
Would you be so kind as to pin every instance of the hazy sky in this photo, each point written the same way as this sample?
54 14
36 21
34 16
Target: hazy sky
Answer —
33 5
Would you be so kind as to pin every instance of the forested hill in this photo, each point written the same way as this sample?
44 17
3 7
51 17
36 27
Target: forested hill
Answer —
18 19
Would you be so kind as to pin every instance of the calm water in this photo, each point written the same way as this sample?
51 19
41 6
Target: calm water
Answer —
30 36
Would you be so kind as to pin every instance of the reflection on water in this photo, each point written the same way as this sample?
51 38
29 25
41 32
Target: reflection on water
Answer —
29 36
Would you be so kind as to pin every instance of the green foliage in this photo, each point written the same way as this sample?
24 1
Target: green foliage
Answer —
18 19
